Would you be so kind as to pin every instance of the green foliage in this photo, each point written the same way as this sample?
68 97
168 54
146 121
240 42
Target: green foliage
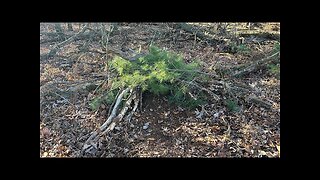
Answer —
95 103
107 98
232 105
276 47
274 69
158 88
182 99
158 72
121 65
242 48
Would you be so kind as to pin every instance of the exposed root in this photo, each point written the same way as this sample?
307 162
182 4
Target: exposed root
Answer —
90 146
114 110
121 114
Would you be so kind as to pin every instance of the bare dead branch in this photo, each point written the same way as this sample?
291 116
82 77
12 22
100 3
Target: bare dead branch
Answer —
216 97
72 38
254 99
252 66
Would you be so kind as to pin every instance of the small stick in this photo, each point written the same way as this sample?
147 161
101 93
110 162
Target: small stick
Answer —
64 98
202 88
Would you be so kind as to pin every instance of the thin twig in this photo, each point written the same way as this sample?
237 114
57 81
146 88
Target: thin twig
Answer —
98 87
216 97
58 46
64 99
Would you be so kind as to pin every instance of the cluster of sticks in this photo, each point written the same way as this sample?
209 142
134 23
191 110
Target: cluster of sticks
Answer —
116 116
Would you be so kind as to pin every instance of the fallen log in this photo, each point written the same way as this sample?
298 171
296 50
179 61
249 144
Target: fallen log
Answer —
198 33
254 65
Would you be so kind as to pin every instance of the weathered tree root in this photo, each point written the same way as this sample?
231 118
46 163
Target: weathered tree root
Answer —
90 146
121 114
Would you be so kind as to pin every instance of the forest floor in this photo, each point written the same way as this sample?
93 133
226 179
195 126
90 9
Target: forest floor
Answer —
160 129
